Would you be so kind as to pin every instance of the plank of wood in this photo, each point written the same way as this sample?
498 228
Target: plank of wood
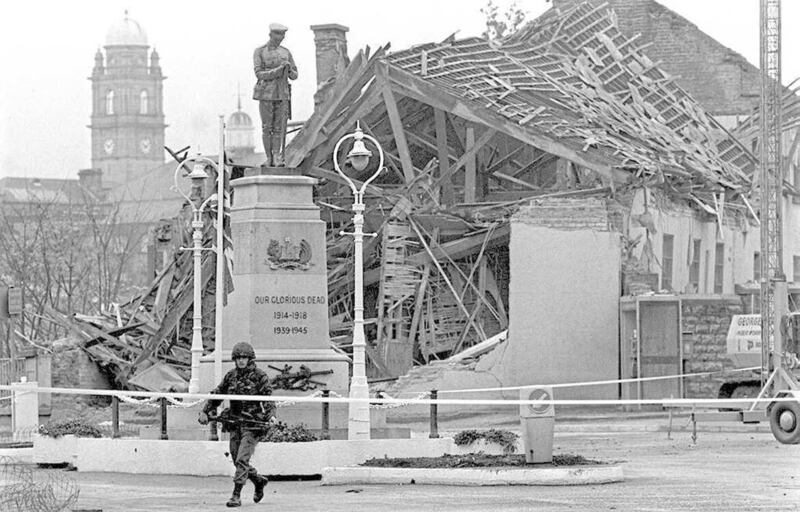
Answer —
355 76
443 154
470 167
446 279
179 306
346 123
397 129
516 181
162 294
469 154
457 249
418 301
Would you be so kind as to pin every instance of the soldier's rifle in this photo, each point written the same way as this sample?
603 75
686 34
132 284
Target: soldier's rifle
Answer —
244 420
299 380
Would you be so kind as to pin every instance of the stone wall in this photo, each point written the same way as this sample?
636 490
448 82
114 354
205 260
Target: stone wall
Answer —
72 368
705 328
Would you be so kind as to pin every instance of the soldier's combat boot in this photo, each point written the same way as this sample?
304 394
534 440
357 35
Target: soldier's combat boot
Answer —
260 481
236 497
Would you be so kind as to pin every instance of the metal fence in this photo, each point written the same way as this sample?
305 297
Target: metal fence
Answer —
22 369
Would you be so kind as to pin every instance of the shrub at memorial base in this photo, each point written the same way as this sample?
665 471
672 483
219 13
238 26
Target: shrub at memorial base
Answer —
282 433
77 427
477 460
504 438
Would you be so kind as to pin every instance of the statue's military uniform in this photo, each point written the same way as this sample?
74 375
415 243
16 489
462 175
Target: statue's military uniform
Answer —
244 437
274 67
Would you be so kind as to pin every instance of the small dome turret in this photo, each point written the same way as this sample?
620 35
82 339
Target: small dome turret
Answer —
126 32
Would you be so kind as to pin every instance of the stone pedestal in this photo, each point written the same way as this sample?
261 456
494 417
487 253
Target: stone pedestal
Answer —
280 299
24 409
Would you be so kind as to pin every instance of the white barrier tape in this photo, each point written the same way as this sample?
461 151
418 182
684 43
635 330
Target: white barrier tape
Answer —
183 405
595 382
404 403
151 402
687 402
6 397
133 401
293 402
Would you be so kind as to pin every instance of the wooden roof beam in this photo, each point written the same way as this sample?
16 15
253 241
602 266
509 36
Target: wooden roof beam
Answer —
443 153
397 124
469 154
414 87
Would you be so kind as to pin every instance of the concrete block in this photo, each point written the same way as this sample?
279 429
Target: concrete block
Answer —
206 458
579 475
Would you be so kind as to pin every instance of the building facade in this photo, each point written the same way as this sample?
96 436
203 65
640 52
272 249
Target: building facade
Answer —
127 120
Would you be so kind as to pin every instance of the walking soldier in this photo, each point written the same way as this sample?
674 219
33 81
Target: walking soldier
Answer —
245 420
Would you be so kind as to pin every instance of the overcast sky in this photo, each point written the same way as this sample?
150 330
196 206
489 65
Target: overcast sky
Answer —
47 52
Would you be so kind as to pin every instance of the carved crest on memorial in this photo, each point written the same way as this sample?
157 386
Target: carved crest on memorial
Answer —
286 255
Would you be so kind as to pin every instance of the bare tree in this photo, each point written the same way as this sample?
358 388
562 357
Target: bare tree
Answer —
67 253
499 25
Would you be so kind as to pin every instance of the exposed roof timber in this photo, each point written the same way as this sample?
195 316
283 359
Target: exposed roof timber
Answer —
397 127
346 91
430 145
481 141
409 85
326 141
442 152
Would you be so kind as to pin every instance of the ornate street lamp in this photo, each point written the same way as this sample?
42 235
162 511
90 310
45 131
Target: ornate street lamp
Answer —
198 175
358 157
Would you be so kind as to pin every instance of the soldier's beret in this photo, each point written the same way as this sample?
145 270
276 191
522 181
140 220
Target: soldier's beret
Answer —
277 27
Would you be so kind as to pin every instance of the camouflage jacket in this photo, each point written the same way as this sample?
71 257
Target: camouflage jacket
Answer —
250 380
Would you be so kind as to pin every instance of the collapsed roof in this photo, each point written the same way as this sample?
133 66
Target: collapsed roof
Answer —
569 84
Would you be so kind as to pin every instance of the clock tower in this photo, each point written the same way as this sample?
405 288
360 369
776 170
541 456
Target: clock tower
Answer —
127 105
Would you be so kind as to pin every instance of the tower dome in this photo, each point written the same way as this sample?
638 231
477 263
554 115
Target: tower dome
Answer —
126 32
240 119
239 132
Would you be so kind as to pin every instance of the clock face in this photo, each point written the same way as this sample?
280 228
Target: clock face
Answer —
145 146
108 146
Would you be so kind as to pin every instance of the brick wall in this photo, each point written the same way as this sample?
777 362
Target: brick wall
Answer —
723 81
705 327
566 214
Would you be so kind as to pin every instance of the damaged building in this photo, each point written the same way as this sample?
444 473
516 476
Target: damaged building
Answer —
557 207
534 181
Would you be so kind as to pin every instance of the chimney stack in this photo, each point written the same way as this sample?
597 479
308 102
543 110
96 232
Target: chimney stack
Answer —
331 42
91 180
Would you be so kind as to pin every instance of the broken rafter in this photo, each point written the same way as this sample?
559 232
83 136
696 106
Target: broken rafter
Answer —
442 152
396 124
420 90
468 154
443 275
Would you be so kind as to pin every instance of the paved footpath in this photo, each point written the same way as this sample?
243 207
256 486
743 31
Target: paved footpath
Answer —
724 471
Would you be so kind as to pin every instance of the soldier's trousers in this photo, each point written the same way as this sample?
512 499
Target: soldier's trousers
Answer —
274 116
242 445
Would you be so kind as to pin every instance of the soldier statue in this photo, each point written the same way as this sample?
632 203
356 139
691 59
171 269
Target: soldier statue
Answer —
246 421
274 67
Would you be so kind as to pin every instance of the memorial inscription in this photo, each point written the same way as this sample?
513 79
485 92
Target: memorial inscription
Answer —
292 321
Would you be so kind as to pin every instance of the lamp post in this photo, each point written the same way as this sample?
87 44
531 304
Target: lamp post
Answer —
198 175
358 417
